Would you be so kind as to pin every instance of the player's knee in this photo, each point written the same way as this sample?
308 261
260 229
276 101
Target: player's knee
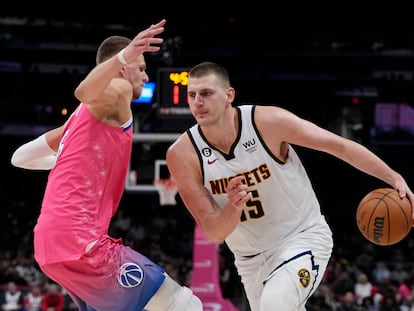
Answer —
284 295
187 301
173 297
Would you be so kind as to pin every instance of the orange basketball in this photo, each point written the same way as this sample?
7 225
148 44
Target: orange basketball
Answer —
383 217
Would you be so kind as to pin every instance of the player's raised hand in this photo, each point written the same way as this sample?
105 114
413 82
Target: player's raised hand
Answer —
145 41
237 192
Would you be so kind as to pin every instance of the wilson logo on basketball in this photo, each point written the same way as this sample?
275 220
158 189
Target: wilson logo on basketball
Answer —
378 229
130 275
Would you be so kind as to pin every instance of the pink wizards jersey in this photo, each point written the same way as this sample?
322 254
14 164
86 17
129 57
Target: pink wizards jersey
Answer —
84 188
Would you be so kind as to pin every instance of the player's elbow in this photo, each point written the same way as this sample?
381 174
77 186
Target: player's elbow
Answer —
13 162
16 160
80 94
85 93
214 232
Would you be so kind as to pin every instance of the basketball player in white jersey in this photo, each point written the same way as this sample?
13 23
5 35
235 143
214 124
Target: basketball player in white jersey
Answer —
88 157
241 179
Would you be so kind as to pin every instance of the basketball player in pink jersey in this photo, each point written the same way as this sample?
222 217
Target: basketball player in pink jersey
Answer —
241 179
88 157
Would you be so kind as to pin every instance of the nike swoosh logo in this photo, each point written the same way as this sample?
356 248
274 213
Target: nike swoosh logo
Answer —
212 161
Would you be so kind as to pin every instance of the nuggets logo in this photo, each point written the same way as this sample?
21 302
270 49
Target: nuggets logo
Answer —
304 277
130 275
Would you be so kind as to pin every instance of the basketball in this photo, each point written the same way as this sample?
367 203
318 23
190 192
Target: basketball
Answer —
383 217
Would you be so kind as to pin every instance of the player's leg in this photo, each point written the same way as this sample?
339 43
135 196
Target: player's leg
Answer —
291 284
252 274
173 297
109 277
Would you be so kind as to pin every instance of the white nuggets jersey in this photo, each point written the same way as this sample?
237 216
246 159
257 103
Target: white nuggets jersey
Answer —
283 204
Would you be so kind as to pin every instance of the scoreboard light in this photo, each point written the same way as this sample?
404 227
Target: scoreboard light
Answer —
172 92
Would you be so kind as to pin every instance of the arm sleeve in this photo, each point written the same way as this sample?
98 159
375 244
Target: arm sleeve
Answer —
34 155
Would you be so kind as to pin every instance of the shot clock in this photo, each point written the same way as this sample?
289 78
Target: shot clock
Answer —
172 93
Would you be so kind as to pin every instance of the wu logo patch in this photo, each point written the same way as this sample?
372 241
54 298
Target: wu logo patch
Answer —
250 145
130 275
304 277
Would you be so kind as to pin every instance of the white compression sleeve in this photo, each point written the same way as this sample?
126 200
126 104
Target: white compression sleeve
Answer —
34 155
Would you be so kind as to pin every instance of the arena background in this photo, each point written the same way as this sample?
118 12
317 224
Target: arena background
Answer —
332 64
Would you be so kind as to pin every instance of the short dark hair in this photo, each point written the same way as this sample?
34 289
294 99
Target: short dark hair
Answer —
206 68
110 46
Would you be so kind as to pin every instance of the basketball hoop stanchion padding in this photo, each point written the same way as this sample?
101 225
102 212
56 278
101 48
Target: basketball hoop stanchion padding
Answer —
205 281
167 190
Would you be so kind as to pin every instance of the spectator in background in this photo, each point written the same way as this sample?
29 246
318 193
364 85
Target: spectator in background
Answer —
390 303
324 297
27 270
53 299
405 291
33 299
399 274
12 299
381 272
10 274
348 303
69 305
363 288
368 304
344 283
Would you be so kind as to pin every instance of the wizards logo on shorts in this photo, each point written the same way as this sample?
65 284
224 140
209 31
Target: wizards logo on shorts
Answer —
130 275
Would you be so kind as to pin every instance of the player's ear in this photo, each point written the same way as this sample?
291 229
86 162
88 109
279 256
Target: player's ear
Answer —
121 73
230 94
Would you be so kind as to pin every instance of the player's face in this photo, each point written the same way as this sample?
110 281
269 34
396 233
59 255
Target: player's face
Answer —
135 73
207 99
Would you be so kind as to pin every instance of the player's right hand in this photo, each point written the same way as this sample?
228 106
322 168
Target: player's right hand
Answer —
237 192
145 41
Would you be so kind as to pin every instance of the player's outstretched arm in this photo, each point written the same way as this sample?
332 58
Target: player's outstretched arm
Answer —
39 153
34 155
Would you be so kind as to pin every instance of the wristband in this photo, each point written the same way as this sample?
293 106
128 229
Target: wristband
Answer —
121 57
